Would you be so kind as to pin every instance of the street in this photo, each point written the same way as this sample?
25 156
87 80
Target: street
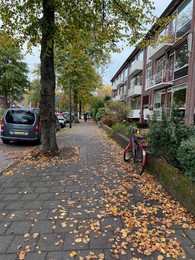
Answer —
12 152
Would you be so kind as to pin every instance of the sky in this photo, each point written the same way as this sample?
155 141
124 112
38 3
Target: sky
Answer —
117 59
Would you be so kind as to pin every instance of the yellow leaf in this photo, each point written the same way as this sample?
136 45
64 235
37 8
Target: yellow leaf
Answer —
73 253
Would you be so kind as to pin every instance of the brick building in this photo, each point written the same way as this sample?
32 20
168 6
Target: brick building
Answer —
162 74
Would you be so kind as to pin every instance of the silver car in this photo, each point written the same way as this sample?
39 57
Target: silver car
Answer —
20 125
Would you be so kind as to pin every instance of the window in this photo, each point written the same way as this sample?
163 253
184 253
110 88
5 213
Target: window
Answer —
140 56
125 73
179 96
162 35
157 99
181 57
149 77
20 117
139 80
136 103
184 14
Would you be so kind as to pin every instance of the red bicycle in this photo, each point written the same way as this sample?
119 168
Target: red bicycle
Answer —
135 151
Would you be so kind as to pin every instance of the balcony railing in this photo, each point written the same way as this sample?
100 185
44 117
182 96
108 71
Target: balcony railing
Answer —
161 79
159 50
114 87
134 113
116 98
122 96
135 90
147 113
136 68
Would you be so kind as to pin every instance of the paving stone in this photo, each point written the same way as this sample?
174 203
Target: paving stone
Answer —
42 226
65 255
36 256
19 227
5 242
20 242
71 244
100 240
50 242
33 205
8 257
112 223
37 214
14 205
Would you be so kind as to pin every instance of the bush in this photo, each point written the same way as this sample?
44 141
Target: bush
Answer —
142 125
108 120
101 113
121 128
117 109
165 138
186 157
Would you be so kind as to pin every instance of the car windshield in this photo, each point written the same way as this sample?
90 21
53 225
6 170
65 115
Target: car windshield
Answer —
20 117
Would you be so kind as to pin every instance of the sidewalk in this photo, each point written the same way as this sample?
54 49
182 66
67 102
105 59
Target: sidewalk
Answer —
89 204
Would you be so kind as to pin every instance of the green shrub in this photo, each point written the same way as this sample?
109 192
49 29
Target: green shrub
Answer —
142 125
186 157
101 113
122 128
166 136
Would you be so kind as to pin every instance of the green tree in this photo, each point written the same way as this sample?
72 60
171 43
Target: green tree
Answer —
80 71
101 23
13 72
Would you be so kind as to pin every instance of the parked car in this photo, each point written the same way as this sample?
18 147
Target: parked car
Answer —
61 119
58 125
20 124
67 116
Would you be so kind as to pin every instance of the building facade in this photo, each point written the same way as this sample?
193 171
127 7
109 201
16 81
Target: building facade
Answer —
162 74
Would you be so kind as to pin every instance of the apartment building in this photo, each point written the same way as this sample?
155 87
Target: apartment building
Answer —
163 73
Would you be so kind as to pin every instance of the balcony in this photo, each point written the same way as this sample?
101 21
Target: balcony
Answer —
157 52
147 113
116 98
122 96
159 80
135 91
134 113
136 68
114 87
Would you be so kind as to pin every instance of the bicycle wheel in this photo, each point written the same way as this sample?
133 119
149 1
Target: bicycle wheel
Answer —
128 153
139 160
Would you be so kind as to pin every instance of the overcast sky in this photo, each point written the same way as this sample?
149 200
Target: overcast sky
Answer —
117 59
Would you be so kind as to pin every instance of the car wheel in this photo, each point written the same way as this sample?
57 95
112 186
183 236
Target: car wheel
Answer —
5 141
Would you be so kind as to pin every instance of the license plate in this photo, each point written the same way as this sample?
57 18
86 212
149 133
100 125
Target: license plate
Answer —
19 133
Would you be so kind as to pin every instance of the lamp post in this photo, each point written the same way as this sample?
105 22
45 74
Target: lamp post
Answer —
70 99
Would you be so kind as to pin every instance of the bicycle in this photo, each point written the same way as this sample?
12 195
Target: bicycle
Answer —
135 151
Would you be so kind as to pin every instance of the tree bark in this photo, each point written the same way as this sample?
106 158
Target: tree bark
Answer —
47 93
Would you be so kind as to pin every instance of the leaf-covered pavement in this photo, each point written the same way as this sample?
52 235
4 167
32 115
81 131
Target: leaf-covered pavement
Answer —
88 204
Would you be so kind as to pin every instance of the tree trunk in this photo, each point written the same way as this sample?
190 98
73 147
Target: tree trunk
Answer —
47 99
80 109
76 120
6 103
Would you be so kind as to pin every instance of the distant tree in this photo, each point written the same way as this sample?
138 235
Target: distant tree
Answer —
13 71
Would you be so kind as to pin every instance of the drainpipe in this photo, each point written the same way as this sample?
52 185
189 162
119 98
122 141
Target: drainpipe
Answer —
190 93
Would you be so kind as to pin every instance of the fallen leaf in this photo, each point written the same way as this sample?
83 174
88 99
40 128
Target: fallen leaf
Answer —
73 253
